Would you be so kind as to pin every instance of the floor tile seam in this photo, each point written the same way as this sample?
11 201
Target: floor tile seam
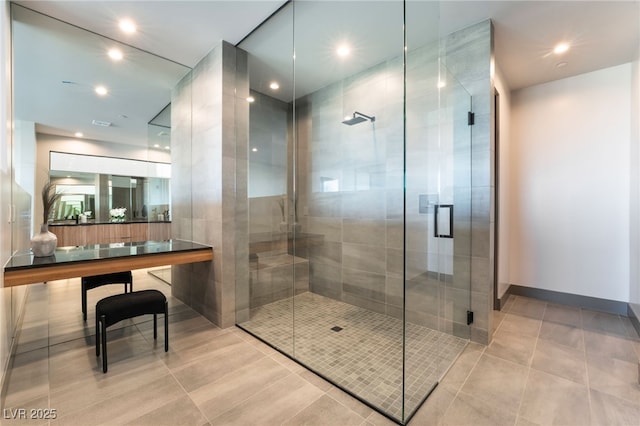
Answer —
555 343
76 408
633 402
464 382
242 401
199 358
224 376
306 406
156 355
557 376
185 392
529 366
492 405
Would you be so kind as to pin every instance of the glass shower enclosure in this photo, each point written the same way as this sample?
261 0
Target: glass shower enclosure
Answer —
359 198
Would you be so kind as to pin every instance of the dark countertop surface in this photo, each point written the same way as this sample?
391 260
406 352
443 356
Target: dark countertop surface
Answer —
92 222
25 260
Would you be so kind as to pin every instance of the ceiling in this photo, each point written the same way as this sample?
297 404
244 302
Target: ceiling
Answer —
602 34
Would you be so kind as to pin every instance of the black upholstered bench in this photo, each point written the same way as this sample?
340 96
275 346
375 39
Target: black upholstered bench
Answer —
99 280
113 309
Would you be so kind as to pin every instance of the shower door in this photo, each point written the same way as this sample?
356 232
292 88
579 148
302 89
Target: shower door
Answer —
437 224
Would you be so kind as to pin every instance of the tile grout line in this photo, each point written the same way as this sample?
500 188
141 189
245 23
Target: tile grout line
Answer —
586 364
526 382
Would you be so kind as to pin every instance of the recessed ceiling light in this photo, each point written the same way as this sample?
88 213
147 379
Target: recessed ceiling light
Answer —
101 90
156 146
127 25
274 85
79 134
561 64
441 84
167 147
343 50
254 149
251 99
115 54
560 48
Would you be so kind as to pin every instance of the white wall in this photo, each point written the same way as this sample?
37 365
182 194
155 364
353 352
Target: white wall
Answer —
504 181
634 284
570 173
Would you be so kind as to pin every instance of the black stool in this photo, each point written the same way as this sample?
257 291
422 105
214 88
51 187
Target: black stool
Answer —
113 309
98 280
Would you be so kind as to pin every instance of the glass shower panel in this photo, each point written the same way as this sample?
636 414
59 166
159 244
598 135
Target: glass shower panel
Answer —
264 305
437 210
349 184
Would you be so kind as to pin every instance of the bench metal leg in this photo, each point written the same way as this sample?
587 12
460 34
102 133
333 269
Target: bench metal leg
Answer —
166 327
84 303
97 336
103 338
155 326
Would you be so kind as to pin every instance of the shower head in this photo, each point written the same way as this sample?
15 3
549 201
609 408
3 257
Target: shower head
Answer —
358 117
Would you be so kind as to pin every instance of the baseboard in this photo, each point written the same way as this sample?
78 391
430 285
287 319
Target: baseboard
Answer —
597 304
633 312
501 301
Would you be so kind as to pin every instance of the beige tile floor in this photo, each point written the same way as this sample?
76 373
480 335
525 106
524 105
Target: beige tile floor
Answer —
548 364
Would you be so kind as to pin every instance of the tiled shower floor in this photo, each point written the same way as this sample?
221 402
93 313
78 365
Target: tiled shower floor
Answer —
365 356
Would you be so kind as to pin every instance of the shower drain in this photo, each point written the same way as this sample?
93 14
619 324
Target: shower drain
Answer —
336 328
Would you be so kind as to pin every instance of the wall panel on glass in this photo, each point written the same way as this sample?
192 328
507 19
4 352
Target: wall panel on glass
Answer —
264 303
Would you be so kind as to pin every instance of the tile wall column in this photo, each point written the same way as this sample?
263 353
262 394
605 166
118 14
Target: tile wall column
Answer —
209 199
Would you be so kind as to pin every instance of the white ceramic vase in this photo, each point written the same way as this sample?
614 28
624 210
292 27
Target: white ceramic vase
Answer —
44 244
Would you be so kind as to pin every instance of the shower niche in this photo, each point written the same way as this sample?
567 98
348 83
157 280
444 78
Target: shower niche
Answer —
348 164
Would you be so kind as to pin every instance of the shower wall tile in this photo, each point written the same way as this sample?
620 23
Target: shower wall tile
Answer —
423 295
364 231
481 167
325 204
361 302
394 291
363 284
480 239
364 204
328 253
395 234
370 258
329 227
325 280
395 262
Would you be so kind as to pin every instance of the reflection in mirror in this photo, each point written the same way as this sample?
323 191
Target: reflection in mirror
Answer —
116 184
131 121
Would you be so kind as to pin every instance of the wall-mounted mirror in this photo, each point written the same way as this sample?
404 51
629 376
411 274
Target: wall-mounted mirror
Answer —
60 75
